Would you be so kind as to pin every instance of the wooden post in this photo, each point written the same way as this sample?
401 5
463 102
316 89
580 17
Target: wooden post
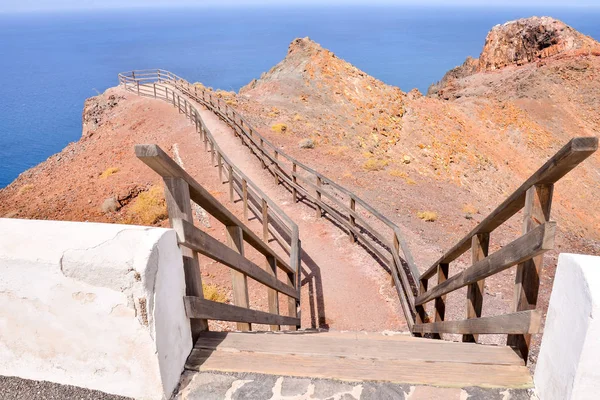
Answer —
220 165
440 302
294 279
265 220
353 220
167 93
178 103
479 250
235 240
177 195
230 172
318 195
138 87
158 73
421 316
212 154
154 86
245 198
538 202
272 293
262 154
205 137
275 168
295 182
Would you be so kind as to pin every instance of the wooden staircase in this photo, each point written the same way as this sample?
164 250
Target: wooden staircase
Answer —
348 356
358 356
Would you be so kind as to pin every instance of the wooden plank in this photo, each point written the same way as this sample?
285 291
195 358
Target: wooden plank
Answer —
398 371
351 345
196 307
177 197
567 158
479 250
538 202
520 322
440 302
273 297
154 157
235 240
536 242
205 244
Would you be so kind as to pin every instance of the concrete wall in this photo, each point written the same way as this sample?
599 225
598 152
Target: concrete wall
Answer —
568 365
93 305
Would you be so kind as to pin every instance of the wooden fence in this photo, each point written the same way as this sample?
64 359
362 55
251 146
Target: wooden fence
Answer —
338 203
526 252
304 183
274 221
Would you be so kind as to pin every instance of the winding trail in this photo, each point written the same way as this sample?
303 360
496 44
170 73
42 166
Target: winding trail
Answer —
343 287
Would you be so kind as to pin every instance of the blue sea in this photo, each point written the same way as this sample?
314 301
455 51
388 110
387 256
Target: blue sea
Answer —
51 62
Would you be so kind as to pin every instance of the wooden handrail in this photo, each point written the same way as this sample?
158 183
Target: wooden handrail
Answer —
181 188
154 157
270 157
567 158
535 195
195 239
537 241
526 251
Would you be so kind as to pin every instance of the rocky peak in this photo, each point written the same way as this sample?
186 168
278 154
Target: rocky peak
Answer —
529 39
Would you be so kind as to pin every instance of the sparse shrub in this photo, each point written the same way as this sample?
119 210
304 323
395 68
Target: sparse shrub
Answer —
213 292
401 174
427 216
279 128
26 188
398 174
150 207
374 164
108 172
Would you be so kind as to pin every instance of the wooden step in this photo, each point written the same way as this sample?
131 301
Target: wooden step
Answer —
355 356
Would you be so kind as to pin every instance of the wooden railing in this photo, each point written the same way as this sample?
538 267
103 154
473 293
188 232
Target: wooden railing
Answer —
180 189
526 252
329 198
275 222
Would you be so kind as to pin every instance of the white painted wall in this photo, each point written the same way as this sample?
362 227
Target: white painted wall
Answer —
568 365
93 305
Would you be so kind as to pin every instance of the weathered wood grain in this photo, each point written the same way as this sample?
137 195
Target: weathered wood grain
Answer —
520 322
536 242
196 307
567 158
205 244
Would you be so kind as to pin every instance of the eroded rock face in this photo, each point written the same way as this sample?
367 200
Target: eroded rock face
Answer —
526 40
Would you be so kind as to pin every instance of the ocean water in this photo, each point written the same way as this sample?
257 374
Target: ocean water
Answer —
50 63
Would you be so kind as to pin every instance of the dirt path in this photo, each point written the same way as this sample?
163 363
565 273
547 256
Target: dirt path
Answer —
343 288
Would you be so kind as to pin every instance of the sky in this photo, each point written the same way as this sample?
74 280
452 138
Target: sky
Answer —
77 5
